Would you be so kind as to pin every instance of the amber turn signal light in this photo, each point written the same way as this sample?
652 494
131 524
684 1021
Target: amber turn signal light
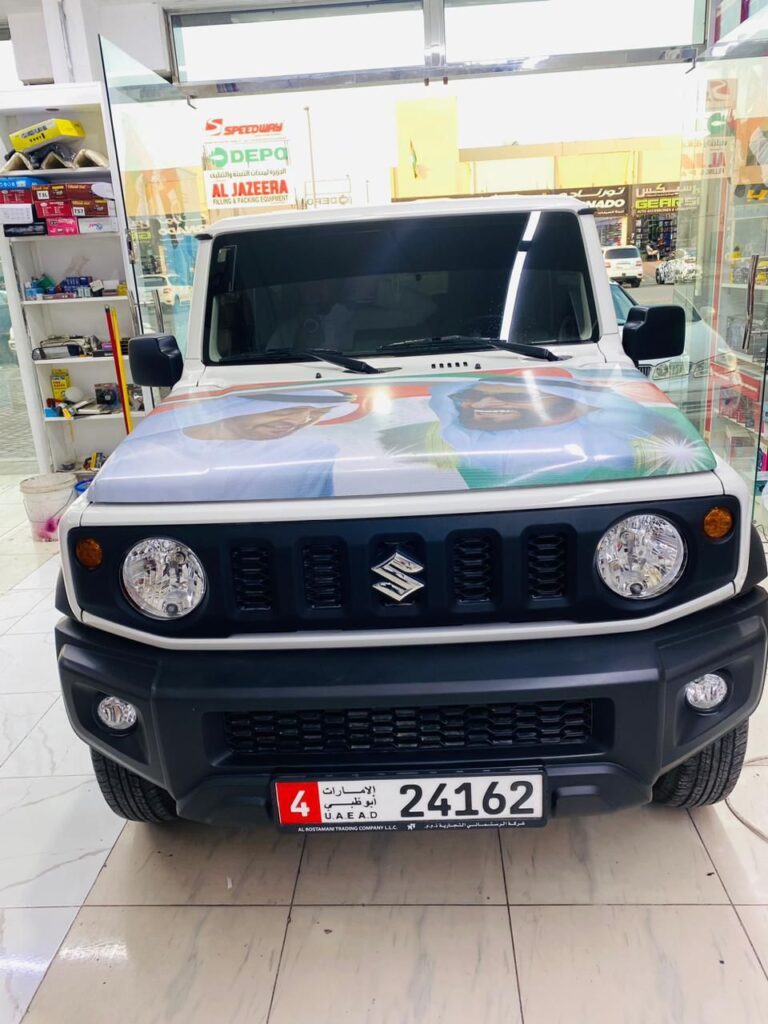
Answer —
718 523
89 553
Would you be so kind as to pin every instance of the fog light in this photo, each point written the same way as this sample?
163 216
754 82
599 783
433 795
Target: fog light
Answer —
116 714
707 692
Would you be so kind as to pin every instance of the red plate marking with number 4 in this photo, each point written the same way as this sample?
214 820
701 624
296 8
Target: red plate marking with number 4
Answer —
298 803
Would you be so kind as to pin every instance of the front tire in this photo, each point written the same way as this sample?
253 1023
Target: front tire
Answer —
708 776
129 795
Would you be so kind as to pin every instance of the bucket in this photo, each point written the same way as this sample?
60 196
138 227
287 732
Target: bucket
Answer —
45 498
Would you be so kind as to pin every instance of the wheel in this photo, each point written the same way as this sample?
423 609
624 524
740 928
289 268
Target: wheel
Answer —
129 795
708 776
635 283
658 275
176 303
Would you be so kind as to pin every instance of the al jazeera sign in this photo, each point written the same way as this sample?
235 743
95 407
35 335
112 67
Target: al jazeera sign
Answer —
246 165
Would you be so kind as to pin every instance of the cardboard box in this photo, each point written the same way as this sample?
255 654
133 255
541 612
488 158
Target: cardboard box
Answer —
40 134
22 181
75 190
93 208
54 208
16 213
62 226
97 225
25 230
16 195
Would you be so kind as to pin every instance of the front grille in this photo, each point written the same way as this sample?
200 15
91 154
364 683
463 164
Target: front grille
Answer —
472 569
645 368
547 566
439 727
253 578
322 565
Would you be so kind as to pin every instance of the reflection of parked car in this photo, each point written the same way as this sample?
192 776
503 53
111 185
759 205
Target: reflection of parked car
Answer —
683 378
624 264
172 291
681 266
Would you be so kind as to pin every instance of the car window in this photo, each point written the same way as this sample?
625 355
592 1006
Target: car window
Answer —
621 304
624 252
362 285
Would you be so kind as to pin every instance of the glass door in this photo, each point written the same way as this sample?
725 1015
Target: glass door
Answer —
151 120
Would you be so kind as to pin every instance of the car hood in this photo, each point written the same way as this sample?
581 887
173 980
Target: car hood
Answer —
402 435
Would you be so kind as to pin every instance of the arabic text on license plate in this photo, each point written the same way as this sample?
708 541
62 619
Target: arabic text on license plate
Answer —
455 801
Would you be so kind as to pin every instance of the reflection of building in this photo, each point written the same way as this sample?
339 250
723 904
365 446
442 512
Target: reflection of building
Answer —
431 164
654 215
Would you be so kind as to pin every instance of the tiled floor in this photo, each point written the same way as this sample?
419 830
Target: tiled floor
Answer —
645 917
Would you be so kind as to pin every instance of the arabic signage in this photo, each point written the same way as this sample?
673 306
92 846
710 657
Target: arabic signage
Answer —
605 200
707 158
246 165
663 197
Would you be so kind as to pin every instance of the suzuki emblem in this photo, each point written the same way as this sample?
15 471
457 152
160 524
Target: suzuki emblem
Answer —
397 577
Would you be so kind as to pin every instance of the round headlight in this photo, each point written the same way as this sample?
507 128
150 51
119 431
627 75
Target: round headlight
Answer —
163 578
641 556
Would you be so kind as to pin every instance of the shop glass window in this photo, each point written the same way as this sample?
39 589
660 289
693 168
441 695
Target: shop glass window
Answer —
298 41
478 30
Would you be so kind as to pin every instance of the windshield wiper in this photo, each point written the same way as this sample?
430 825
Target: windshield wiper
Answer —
289 355
469 343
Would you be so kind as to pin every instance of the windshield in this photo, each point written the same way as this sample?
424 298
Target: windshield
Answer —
357 287
626 252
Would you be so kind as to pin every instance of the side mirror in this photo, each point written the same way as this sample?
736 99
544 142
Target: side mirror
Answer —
156 360
654 332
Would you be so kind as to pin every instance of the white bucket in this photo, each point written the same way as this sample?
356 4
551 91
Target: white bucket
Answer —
45 498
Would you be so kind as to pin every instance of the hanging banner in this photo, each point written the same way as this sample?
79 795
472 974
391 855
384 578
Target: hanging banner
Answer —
246 165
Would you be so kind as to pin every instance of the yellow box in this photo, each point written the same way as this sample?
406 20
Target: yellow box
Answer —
60 381
43 132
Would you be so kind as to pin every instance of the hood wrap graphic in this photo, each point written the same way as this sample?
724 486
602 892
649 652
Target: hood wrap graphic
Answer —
402 435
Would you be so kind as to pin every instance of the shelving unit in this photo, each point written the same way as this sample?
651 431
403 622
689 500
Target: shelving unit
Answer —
99 255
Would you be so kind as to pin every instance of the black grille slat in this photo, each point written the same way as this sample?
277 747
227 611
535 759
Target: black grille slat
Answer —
449 727
323 571
547 555
253 578
472 569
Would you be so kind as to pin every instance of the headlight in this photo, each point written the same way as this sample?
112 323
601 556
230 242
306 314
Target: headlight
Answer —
641 556
669 368
163 578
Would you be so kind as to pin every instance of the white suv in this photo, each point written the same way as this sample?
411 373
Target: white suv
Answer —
624 264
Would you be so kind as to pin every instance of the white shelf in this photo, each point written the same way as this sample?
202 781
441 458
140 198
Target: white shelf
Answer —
47 303
743 287
62 238
61 173
95 418
78 361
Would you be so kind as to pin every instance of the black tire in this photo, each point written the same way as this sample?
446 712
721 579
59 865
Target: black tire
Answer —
635 283
130 796
708 776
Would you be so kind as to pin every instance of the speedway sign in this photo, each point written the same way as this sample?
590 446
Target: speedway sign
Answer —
246 165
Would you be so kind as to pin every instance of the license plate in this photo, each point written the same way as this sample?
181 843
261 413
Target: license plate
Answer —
425 802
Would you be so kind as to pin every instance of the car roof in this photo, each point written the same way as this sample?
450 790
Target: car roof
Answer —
397 211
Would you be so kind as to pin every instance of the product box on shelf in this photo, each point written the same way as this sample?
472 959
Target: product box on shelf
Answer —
75 190
16 213
15 195
62 226
97 225
37 228
93 208
10 182
53 208
43 132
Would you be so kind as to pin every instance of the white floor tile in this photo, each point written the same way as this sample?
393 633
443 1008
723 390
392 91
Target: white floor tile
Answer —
45 575
740 856
17 603
637 965
42 618
19 713
20 539
755 921
50 748
28 665
757 745
56 836
12 516
29 938
15 568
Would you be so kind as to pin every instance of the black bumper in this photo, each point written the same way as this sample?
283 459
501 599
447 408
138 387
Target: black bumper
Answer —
639 727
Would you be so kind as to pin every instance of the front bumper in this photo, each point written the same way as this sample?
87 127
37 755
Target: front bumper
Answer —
635 681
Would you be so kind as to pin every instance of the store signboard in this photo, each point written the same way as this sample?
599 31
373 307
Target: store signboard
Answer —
605 200
721 94
663 197
246 165
707 158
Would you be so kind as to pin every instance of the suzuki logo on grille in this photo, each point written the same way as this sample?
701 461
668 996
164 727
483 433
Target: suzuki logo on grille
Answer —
397 573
